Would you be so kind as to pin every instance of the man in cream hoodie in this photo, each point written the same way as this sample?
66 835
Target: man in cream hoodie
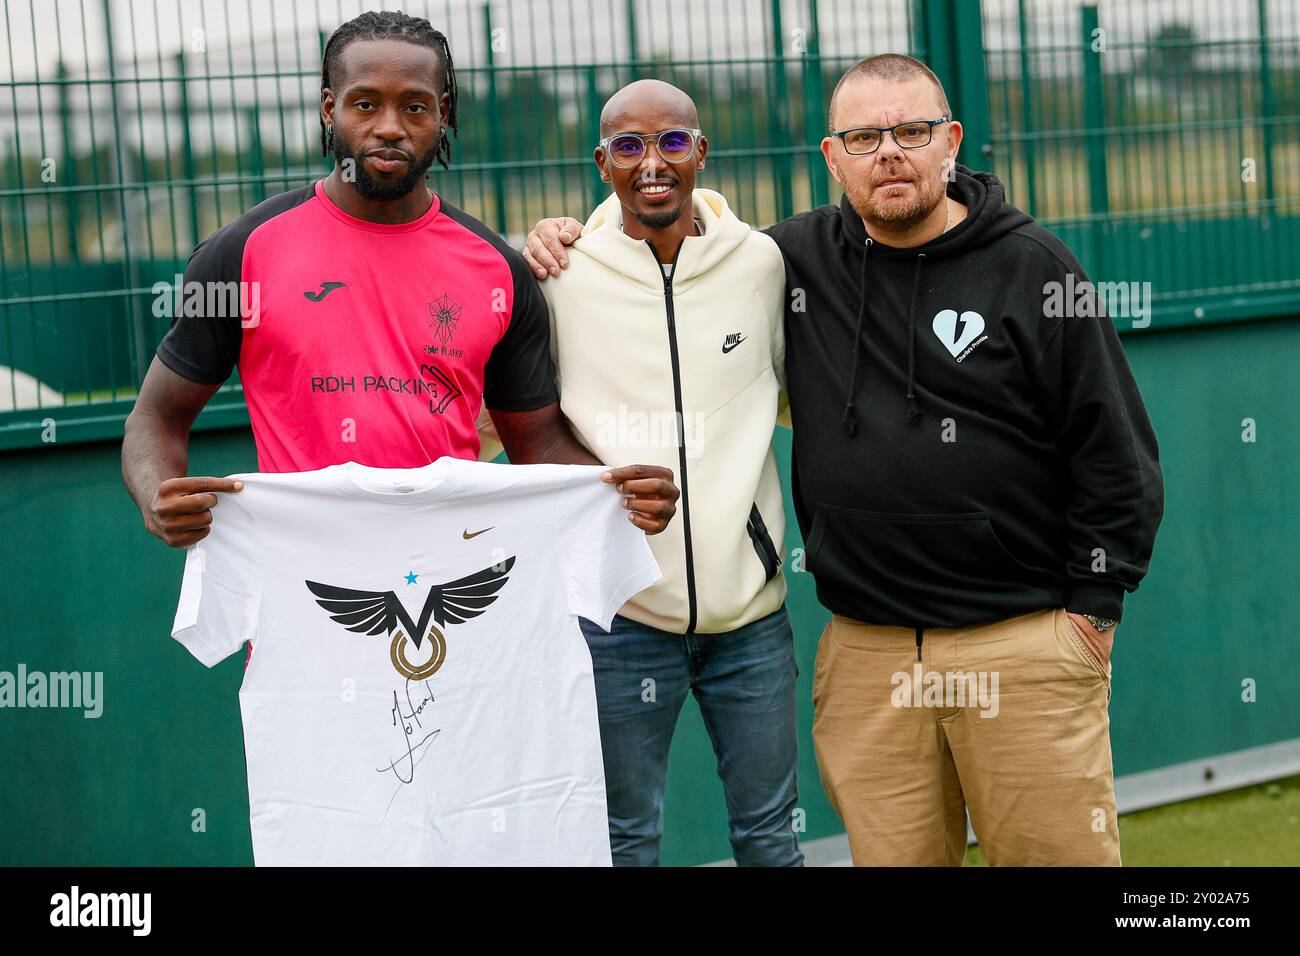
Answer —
670 314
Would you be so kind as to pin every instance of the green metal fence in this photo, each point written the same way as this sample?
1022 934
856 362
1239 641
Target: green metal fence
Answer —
1161 141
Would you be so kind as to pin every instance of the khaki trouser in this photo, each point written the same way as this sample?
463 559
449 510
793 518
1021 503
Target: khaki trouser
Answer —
904 749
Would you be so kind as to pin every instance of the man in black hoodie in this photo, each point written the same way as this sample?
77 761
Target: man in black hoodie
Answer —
977 483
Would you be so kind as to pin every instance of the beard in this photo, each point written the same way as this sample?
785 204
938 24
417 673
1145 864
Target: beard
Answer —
895 213
659 220
369 187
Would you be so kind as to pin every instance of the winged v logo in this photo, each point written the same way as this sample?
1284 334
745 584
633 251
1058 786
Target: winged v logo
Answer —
381 612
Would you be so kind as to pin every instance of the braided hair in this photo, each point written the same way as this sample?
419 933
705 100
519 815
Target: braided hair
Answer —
393 25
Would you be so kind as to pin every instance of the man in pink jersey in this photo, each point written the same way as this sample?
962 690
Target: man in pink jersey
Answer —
369 319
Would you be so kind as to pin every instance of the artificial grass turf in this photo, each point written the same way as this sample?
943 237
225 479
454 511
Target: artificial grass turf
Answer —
1253 826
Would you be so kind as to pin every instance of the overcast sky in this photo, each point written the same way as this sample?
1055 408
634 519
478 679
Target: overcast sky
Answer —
553 31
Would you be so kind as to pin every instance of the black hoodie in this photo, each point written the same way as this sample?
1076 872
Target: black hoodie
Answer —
959 455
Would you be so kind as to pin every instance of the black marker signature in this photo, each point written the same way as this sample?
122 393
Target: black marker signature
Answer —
409 723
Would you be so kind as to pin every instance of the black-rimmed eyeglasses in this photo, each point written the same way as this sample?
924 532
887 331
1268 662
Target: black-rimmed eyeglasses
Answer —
867 139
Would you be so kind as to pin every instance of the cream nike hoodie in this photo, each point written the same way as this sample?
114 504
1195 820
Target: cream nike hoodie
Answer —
633 350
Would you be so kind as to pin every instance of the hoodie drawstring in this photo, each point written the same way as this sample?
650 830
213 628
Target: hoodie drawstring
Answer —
913 413
849 422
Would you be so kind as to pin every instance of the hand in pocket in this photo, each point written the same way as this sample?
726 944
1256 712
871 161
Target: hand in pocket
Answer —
1099 642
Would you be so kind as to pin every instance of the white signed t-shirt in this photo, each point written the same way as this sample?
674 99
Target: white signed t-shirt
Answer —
419 691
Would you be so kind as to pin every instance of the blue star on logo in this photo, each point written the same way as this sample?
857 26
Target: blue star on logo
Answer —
410 577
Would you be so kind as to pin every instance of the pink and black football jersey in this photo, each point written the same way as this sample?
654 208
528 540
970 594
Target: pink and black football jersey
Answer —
361 341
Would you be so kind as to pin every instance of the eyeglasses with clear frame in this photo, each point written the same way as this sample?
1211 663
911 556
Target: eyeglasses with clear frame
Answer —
864 140
627 149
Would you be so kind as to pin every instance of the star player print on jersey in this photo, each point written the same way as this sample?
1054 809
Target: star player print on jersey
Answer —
376 612
446 314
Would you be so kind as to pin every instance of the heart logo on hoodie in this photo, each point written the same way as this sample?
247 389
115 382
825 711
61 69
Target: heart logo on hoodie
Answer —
957 331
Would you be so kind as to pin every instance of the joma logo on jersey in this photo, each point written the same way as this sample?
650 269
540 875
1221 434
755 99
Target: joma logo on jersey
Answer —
382 612
325 289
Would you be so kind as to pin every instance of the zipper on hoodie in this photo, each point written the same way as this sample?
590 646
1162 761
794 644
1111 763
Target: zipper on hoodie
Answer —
681 431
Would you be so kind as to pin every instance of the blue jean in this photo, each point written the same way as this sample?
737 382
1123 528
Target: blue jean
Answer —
744 682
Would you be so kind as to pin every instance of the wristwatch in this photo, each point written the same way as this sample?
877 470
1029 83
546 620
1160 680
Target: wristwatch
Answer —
1101 623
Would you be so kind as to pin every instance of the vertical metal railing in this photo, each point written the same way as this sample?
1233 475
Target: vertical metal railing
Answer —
172 137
